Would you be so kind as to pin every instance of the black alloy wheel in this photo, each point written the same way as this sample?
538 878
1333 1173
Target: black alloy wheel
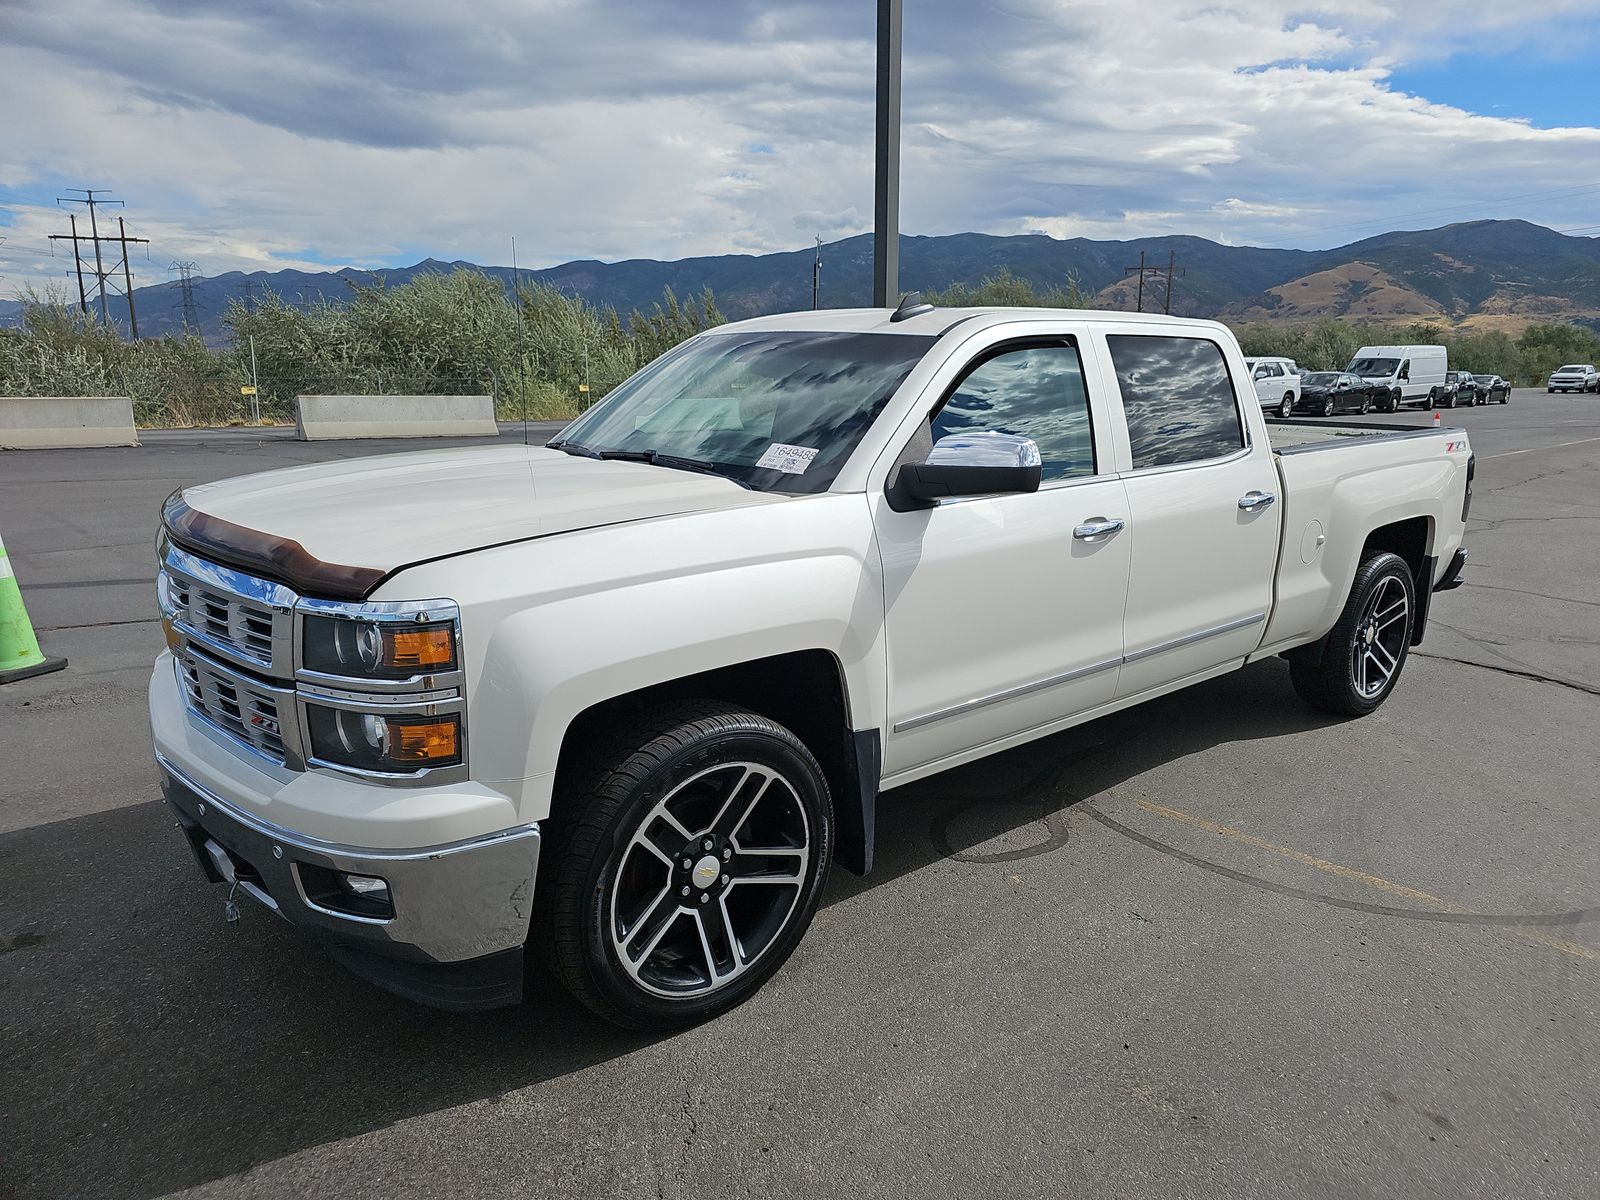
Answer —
687 857
1354 668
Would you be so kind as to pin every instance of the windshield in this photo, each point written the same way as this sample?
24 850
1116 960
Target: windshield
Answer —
1318 378
1374 366
1574 367
776 411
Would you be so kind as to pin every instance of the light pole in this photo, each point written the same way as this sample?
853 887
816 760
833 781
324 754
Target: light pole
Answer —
886 182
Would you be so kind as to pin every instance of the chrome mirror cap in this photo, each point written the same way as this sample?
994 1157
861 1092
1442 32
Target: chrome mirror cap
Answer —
987 448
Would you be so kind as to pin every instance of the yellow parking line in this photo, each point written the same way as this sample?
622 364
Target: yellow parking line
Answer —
1375 882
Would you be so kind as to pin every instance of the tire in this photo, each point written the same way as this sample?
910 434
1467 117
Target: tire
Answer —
1327 407
1342 674
1366 405
665 784
1286 409
1450 400
1549 391
1505 396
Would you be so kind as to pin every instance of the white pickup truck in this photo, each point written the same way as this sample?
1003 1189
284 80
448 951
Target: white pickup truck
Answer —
624 700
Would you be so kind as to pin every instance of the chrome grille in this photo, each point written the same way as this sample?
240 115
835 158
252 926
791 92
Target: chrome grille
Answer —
244 708
240 618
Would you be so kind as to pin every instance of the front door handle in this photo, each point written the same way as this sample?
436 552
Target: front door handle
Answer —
1251 501
1096 527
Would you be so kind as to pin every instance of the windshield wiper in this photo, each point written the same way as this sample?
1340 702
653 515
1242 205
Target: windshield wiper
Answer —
573 448
676 462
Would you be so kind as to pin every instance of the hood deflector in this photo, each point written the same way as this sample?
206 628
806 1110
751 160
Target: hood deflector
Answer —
265 554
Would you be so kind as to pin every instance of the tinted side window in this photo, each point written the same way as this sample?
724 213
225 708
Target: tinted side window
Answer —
1033 391
1178 398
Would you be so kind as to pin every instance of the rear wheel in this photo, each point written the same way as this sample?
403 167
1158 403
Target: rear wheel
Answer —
1366 404
1353 670
697 845
1327 407
1286 409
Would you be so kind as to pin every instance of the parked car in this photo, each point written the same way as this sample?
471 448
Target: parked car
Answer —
1326 392
1458 387
623 700
1410 374
1575 377
1276 380
1493 389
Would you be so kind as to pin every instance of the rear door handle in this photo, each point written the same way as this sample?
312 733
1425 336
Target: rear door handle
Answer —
1096 527
1251 501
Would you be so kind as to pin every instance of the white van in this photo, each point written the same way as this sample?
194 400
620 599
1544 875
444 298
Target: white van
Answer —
1277 383
1414 374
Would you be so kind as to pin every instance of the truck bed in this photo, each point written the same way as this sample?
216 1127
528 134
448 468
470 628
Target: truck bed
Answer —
1298 437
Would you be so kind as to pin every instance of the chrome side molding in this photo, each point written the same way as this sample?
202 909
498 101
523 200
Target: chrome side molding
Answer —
1039 685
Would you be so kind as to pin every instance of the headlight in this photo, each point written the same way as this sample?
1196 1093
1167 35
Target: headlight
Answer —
377 741
363 649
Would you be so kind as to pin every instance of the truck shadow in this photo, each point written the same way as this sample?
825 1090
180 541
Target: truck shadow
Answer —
146 1046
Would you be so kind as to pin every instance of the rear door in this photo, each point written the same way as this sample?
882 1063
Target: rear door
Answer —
1003 614
1204 510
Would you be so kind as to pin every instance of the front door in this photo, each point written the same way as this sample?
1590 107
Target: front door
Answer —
1004 613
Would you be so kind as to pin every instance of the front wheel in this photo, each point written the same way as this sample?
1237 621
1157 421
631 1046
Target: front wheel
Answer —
1353 670
687 859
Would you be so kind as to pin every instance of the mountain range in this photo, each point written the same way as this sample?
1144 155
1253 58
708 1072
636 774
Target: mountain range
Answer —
1477 273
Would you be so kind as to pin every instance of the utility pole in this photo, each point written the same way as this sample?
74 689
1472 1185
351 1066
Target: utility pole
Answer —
886 180
127 276
101 274
1172 269
77 261
255 384
816 277
1142 270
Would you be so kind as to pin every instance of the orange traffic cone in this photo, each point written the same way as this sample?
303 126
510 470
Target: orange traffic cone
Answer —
1436 421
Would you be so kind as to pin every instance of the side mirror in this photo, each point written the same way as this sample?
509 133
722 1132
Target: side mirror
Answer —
973 464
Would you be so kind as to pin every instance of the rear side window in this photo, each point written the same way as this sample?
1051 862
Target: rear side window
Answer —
1031 391
1178 399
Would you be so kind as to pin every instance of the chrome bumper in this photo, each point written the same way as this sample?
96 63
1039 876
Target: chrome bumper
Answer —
452 903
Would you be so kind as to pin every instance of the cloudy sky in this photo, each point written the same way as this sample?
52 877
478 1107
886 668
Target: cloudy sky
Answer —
258 135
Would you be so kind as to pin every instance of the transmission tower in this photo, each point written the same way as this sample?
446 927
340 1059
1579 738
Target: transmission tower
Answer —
93 197
184 286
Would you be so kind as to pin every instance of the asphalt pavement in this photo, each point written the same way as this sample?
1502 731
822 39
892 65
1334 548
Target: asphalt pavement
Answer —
1219 945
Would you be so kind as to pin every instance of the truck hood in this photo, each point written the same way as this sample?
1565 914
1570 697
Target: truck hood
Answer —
368 517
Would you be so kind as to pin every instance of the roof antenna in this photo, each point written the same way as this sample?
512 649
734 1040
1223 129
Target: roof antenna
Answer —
911 305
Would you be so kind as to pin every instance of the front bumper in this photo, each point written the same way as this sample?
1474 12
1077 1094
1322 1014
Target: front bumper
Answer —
460 911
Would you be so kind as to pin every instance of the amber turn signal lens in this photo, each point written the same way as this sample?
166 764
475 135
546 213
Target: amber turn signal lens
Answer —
423 742
419 648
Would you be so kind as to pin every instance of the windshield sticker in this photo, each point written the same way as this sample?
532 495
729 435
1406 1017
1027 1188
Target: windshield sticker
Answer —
791 460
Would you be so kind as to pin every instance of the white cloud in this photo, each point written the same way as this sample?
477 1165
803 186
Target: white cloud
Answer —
247 136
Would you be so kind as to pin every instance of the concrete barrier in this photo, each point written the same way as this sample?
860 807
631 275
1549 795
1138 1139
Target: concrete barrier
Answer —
64 422
321 417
